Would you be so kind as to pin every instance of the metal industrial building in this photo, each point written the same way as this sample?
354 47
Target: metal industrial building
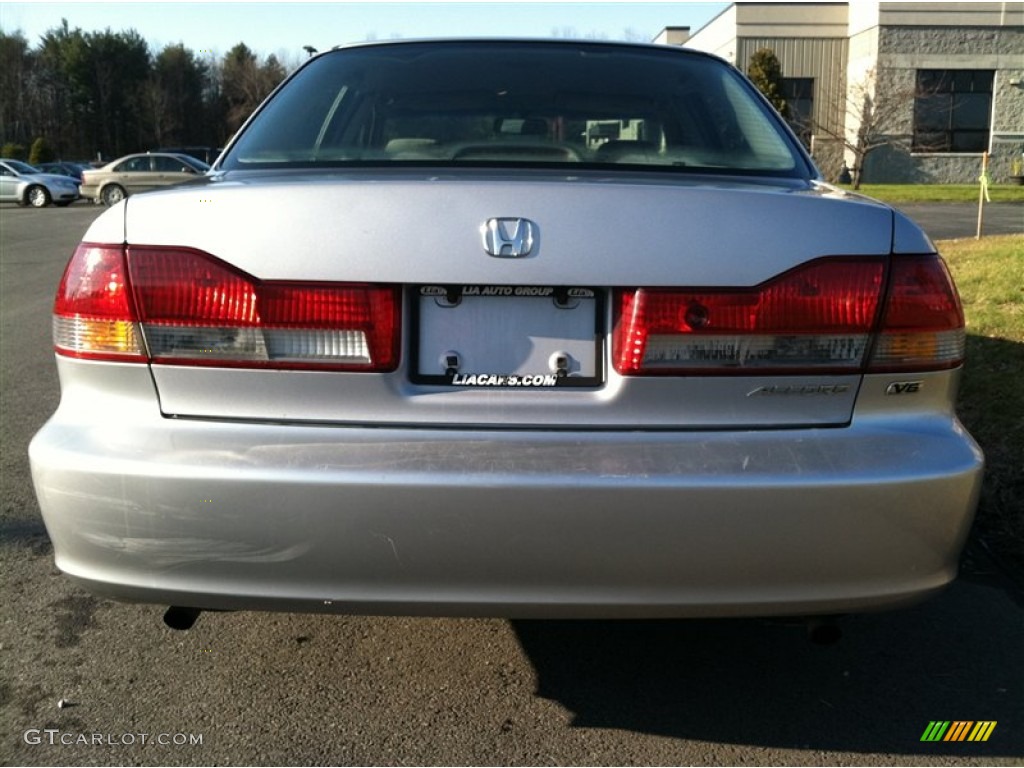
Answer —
933 84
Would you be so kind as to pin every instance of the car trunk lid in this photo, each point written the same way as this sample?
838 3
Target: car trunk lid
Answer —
483 342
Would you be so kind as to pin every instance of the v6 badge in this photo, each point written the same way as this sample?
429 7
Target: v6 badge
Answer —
904 388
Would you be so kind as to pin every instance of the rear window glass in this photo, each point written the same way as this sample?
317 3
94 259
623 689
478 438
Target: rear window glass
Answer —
520 104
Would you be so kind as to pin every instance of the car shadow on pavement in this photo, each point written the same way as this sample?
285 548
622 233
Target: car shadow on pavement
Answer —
956 657
28 534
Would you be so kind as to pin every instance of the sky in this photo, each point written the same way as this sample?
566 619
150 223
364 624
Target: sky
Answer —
286 27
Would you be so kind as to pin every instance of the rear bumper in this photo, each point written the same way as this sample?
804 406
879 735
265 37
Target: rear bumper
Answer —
508 523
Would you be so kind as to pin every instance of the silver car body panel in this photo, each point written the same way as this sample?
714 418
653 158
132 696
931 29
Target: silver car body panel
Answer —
425 227
622 403
238 515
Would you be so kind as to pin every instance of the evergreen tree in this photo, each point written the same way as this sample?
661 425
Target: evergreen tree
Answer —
765 72
103 94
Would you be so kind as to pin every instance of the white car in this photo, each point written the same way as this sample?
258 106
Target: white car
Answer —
25 185
511 328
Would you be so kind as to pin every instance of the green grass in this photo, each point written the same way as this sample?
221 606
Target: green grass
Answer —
939 193
990 276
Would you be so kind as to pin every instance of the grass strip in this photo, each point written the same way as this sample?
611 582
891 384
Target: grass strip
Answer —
939 193
990 276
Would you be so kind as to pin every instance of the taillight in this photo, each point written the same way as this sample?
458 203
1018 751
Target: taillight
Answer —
816 318
93 315
193 309
923 325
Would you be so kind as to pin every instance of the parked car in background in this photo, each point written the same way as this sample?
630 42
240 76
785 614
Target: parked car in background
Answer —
64 168
509 328
206 154
26 185
131 174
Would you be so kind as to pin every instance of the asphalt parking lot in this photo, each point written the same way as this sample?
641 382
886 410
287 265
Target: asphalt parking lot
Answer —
261 689
948 221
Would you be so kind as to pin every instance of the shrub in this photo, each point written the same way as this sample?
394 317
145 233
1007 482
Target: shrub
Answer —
41 152
13 151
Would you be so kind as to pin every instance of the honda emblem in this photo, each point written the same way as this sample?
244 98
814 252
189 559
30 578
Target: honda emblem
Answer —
509 238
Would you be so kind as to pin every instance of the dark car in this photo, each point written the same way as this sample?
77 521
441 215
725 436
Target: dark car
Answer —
63 168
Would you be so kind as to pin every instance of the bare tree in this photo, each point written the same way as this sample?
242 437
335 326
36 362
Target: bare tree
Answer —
15 66
875 111
246 82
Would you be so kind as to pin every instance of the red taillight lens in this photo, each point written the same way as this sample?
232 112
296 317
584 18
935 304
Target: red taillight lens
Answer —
817 317
93 315
194 309
923 326
175 287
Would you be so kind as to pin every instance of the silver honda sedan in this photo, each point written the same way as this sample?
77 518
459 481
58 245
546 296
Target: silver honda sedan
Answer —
509 328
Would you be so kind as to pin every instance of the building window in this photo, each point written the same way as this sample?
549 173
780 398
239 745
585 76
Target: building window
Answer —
799 95
952 110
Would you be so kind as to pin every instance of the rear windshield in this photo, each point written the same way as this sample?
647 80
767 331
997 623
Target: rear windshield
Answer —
521 104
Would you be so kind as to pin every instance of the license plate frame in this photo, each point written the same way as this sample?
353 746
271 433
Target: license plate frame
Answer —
507 336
